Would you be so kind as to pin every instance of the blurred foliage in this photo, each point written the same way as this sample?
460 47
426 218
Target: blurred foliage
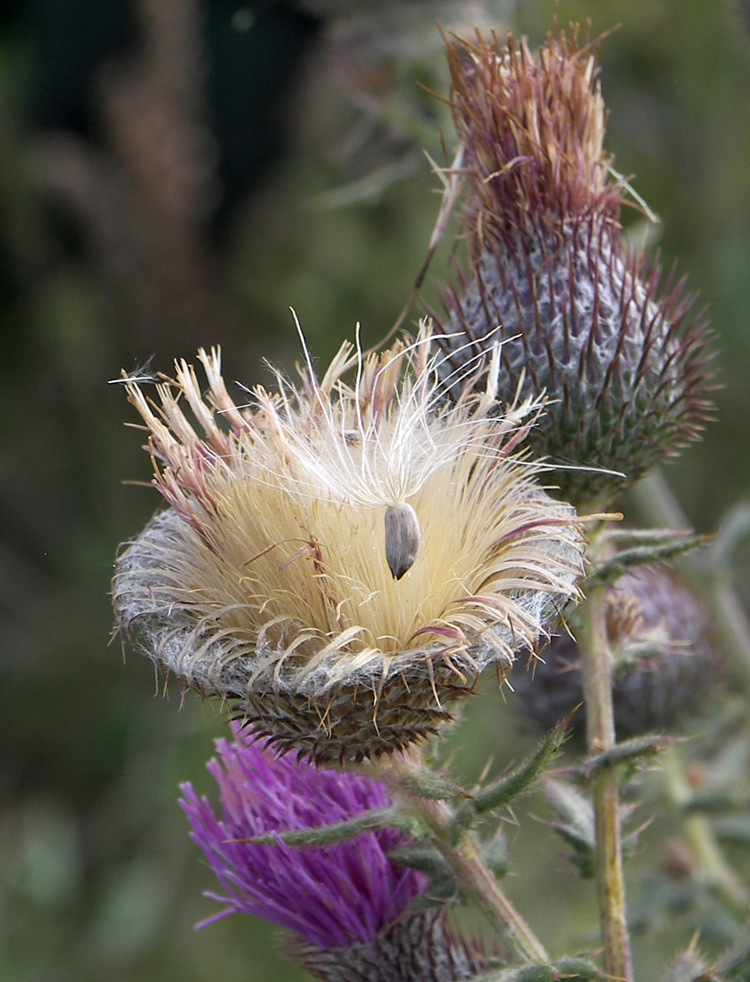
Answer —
98 272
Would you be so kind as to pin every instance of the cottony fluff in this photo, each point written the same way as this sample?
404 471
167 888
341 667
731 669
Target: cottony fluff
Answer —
284 576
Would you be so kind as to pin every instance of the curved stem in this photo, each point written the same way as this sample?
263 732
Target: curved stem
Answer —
596 669
464 859
482 885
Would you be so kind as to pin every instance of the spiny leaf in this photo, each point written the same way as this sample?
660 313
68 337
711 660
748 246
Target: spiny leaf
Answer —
441 891
564 970
369 821
423 856
628 752
574 823
652 552
510 785
494 852
424 783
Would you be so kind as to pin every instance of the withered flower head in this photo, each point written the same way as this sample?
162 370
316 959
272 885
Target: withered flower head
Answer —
583 319
280 579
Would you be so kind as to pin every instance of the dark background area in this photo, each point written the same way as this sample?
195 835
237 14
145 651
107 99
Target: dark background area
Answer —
176 174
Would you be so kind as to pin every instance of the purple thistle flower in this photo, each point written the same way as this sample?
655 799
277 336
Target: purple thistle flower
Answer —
336 895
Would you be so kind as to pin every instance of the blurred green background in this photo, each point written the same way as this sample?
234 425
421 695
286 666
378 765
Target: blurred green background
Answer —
176 174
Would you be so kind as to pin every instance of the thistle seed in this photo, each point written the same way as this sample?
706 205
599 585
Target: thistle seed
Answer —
402 539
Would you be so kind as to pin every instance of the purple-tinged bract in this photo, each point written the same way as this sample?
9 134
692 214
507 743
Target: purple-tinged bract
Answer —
612 343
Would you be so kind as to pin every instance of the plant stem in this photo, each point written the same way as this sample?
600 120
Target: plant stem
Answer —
596 665
478 881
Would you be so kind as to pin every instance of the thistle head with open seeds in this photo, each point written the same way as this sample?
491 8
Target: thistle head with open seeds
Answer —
341 559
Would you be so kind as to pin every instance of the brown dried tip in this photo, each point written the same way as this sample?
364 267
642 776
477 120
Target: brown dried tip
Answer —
533 132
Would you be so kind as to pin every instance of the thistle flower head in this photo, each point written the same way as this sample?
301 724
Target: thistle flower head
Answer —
346 902
620 357
332 895
285 577
665 662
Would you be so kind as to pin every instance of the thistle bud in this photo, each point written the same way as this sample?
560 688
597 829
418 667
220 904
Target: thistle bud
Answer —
665 663
580 318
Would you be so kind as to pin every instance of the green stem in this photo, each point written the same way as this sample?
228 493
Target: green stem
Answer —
596 666
478 881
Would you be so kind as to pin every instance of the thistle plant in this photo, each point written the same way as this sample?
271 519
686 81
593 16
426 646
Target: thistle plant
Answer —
341 557
346 902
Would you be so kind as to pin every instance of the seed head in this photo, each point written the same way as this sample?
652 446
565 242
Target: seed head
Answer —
267 583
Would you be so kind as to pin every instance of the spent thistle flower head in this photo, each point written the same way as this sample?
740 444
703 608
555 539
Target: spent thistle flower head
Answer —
583 319
342 560
346 902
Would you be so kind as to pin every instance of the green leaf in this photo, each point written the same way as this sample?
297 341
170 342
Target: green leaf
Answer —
423 856
376 818
494 852
432 785
502 791
574 823
669 547
441 891
631 751
567 969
